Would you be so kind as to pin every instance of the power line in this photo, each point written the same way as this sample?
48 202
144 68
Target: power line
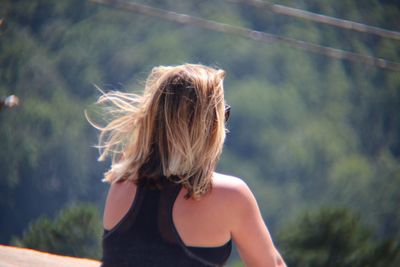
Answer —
315 17
251 34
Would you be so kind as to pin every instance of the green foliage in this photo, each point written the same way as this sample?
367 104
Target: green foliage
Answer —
76 231
334 237
305 130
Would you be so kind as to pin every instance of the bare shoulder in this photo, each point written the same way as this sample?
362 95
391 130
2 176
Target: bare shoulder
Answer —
229 183
119 199
246 225
234 199
231 189
224 180
121 188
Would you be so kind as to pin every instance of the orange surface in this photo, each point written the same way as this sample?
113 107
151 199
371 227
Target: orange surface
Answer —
22 257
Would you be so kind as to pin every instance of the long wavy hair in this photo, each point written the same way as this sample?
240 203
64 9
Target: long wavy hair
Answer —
175 129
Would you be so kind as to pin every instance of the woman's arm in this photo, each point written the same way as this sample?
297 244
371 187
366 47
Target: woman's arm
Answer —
250 233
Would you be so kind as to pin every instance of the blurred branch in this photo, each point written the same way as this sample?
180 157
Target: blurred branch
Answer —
315 17
250 34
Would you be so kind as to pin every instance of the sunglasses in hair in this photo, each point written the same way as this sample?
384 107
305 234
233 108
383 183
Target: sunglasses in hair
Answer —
227 112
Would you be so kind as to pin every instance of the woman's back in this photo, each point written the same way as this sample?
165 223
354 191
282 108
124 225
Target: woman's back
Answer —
159 227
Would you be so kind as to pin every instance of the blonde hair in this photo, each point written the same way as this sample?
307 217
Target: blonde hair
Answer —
175 129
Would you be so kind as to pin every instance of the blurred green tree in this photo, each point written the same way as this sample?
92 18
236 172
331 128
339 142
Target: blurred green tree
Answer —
76 231
305 130
332 237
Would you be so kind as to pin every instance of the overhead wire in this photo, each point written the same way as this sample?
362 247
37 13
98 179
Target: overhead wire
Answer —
249 33
319 18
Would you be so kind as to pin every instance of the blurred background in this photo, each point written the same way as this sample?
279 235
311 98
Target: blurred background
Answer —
316 138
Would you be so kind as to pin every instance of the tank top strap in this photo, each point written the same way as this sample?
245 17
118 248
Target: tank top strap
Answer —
125 224
165 222
209 256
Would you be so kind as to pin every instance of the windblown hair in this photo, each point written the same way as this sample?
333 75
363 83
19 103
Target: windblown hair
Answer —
175 129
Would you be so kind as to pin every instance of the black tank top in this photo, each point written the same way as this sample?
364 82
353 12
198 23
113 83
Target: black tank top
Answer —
147 237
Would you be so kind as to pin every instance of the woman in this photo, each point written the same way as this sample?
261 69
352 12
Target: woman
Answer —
166 206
